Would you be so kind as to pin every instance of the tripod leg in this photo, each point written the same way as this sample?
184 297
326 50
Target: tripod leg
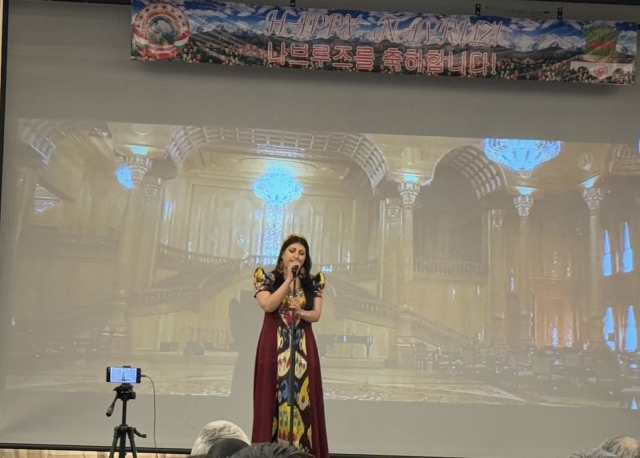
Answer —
115 442
123 442
134 452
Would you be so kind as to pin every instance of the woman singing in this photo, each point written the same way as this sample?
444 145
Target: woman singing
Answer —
289 293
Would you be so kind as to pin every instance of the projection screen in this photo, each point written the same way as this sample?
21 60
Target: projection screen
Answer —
481 286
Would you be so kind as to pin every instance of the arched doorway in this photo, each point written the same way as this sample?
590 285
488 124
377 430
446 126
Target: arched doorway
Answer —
451 244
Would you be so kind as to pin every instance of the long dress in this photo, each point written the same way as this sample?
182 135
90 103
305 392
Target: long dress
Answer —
271 412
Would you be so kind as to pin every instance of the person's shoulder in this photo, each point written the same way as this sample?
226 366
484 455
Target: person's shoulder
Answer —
263 278
318 282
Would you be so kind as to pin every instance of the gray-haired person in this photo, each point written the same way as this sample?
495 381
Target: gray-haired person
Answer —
594 453
622 446
215 431
271 450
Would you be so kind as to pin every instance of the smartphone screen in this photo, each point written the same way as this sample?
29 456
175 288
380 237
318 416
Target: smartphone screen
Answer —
123 374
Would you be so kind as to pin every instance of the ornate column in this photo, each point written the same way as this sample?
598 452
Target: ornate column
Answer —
362 225
523 204
411 163
391 238
129 236
497 279
408 192
148 246
593 197
127 254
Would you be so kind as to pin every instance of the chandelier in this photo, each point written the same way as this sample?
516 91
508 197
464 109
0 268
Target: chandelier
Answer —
123 175
139 166
132 170
277 187
521 155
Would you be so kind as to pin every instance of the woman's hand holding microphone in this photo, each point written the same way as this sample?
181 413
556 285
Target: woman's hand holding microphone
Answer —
291 275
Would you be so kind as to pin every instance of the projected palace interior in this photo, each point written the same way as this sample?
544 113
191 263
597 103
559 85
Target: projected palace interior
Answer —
458 269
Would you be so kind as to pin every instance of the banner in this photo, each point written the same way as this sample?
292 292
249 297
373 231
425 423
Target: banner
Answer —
365 41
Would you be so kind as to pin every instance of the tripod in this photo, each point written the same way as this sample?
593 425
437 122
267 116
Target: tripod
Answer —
124 392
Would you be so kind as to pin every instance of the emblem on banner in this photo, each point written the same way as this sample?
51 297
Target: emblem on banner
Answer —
600 70
160 31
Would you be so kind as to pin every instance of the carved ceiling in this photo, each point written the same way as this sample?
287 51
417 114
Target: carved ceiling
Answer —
203 149
356 160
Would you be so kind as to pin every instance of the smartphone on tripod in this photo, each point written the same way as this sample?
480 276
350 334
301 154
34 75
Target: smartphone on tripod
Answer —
126 376
123 374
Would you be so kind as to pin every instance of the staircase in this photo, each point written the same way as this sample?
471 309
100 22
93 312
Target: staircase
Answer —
357 304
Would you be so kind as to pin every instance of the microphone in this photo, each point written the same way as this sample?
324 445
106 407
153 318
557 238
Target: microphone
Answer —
294 270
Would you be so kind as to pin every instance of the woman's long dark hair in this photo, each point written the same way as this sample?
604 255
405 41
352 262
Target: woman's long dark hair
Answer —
305 270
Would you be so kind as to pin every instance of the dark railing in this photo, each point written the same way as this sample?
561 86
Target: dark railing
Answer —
161 296
434 332
260 260
326 341
65 244
80 242
625 160
350 267
626 166
449 268
360 269
170 256
365 306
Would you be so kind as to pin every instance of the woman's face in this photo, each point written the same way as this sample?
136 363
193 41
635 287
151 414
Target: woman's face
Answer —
294 254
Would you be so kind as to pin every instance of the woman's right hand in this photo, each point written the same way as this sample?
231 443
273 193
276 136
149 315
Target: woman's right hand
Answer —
288 272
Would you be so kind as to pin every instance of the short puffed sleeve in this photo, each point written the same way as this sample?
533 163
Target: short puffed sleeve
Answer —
262 280
318 284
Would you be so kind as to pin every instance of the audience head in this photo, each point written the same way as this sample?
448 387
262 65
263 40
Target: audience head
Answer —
215 431
593 453
271 450
224 448
623 447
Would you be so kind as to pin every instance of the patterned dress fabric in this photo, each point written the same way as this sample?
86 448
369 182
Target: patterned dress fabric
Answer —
272 413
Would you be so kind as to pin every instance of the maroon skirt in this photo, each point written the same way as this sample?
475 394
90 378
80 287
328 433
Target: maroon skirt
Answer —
271 412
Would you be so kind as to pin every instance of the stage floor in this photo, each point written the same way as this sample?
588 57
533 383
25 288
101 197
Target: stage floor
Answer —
355 379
